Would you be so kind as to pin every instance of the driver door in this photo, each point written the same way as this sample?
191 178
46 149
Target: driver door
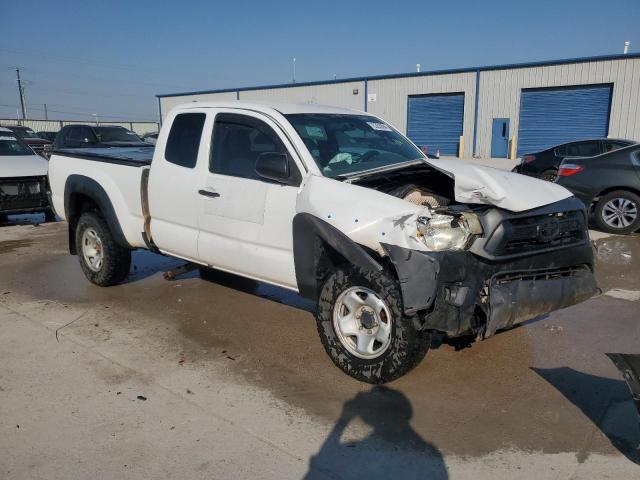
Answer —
245 220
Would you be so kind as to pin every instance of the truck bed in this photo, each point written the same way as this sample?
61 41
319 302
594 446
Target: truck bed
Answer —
130 156
117 171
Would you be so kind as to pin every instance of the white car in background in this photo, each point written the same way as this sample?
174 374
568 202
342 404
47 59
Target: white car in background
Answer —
23 178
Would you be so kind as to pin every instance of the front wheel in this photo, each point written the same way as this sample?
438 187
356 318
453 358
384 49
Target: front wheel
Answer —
363 329
103 261
618 212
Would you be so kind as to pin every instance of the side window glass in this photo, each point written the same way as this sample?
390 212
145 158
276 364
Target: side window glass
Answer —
86 136
583 149
73 135
611 146
237 143
560 151
184 139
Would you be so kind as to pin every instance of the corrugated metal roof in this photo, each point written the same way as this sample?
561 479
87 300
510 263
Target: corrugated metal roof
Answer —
508 66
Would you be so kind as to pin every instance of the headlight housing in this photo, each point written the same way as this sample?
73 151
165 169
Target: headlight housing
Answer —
448 231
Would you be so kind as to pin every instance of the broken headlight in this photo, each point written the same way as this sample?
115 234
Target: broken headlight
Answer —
448 232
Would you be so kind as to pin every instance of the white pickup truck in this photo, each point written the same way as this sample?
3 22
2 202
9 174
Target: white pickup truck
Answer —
339 206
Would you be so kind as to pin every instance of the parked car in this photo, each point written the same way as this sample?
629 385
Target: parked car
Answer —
609 186
151 137
545 164
28 136
91 136
338 206
23 178
51 136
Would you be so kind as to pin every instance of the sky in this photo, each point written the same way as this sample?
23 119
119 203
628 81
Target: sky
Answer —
113 57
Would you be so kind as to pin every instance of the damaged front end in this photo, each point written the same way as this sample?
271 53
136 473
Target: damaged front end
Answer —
463 268
513 268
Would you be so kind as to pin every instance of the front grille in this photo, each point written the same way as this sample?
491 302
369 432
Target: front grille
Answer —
530 234
22 193
548 274
39 149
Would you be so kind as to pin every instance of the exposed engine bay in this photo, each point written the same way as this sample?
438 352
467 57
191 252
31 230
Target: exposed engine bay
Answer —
418 184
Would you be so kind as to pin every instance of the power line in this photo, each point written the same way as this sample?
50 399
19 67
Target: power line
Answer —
123 116
82 76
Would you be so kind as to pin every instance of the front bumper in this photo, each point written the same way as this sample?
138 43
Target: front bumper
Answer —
23 195
460 293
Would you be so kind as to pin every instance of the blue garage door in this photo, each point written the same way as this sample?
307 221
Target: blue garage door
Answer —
549 116
435 122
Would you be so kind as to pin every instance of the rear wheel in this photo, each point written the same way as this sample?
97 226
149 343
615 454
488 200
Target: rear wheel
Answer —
618 212
363 329
549 175
103 261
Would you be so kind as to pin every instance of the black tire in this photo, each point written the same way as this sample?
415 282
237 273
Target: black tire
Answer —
3 217
549 175
408 346
601 209
116 259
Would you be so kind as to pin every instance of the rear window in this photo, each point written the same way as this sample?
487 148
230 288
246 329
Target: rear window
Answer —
184 139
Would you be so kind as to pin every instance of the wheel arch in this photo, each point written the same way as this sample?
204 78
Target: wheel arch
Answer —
318 247
82 193
613 189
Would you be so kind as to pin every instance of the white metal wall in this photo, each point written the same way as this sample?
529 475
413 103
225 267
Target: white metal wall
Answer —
54 125
335 94
500 94
392 94
167 103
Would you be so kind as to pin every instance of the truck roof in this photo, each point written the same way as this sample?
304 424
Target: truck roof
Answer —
271 107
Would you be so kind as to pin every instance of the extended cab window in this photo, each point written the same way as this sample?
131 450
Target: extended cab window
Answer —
184 139
237 142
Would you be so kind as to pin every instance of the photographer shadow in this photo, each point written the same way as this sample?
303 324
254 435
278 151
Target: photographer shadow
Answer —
392 449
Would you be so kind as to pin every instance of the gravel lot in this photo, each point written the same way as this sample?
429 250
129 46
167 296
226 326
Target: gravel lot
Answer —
220 377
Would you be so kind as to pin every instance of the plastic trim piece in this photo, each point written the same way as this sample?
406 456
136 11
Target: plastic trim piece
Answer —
309 232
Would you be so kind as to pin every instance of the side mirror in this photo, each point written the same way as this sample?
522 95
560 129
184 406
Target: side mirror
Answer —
274 166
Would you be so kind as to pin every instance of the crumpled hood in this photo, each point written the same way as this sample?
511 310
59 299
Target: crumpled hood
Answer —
486 185
23 166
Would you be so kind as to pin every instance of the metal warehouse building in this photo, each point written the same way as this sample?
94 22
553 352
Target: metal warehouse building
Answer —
494 111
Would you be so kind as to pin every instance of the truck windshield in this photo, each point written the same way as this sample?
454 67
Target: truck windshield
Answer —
10 145
116 134
344 144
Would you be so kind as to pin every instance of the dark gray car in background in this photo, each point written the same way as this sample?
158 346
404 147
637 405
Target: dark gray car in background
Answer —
545 164
609 186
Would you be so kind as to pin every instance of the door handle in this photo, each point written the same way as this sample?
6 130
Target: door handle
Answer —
209 193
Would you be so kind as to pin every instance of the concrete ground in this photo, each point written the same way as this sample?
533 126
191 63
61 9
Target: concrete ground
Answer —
226 378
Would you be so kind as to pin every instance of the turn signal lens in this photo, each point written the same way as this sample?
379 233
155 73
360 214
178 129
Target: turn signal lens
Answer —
528 158
566 170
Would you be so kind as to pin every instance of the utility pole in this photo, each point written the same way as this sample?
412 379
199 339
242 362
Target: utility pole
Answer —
21 91
46 116
294 69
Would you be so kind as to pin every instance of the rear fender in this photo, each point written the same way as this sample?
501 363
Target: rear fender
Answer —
79 188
